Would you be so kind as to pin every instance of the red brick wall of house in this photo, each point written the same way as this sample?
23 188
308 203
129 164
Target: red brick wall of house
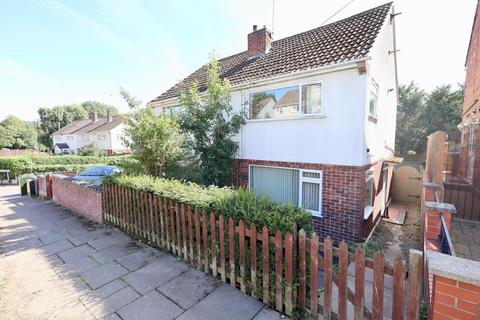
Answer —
471 104
342 213
79 199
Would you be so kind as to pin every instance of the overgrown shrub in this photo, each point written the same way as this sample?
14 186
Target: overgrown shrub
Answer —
89 150
235 203
36 164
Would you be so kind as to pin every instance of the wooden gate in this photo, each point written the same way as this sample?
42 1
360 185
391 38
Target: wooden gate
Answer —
406 184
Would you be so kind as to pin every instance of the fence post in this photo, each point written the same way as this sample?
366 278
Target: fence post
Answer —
359 283
327 279
278 271
314 275
266 265
414 283
253 259
302 289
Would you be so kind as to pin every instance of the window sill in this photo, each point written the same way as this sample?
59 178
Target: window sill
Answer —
307 116
372 118
367 212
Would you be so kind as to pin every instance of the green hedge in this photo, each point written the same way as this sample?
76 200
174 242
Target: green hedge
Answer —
37 164
235 203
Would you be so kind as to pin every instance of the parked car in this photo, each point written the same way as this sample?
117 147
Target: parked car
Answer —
95 175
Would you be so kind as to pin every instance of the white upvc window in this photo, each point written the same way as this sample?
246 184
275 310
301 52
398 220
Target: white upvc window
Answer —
369 195
373 100
298 187
101 137
286 102
311 191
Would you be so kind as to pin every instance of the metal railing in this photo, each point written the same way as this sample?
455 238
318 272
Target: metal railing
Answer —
444 239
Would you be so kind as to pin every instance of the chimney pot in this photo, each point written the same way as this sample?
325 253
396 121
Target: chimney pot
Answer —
94 116
254 27
109 115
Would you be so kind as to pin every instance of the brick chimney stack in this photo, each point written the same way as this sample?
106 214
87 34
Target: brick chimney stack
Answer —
94 116
259 42
109 115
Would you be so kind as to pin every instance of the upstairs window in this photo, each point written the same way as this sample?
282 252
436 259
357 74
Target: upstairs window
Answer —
101 137
372 102
172 111
286 102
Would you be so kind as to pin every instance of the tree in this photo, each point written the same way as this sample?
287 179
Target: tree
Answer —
53 119
410 106
100 107
210 124
420 114
17 134
155 141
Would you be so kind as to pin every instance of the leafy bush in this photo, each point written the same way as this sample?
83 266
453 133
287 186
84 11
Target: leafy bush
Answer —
89 150
35 163
235 203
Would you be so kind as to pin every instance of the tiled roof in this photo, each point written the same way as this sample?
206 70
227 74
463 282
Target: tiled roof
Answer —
340 41
87 126
288 99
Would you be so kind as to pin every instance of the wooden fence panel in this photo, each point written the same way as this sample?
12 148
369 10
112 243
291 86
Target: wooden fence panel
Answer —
253 259
292 260
266 262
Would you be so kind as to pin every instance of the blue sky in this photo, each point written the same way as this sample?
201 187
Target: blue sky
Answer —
57 52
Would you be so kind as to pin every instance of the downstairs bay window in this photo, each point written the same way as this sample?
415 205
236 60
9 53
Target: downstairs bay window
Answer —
288 186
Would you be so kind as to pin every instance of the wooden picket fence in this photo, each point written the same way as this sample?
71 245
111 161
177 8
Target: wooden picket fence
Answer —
282 270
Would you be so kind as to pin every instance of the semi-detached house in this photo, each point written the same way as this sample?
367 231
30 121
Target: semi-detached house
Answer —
321 118
107 134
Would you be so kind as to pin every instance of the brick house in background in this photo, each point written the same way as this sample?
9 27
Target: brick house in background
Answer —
322 113
463 165
106 133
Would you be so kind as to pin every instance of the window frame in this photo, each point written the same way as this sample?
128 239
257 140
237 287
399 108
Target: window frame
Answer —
373 91
103 135
368 210
247 101
300 185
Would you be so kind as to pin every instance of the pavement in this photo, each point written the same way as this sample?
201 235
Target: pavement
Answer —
466 238
55 265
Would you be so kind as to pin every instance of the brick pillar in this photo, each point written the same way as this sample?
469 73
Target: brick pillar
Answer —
433 211
454 287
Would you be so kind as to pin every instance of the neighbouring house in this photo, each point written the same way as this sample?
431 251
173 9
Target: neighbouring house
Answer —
106 133
322 113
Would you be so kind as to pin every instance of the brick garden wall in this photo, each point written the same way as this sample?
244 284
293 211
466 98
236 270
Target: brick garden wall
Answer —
455 299
342 212
79 199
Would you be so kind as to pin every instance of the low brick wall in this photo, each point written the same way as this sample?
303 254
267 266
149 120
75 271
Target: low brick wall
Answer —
80 199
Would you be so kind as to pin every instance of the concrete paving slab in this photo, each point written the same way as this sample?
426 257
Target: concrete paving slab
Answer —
151 306
103 274
76 253
268 314
110 288
155 274
76 267
116 251
224 303
189 288
103 307
140 258
56 247
111 237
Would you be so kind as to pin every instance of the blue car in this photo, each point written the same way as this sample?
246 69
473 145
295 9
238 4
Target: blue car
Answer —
95 175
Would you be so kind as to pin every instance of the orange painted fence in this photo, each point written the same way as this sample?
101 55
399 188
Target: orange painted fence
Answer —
282 270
